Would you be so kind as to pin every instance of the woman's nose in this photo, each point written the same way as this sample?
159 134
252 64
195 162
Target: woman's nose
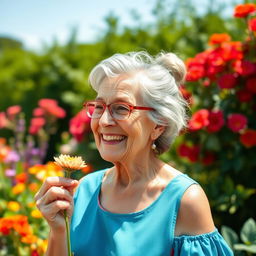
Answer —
106 118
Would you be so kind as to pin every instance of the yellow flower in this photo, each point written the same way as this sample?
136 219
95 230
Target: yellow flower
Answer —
70 163
13 206
36 214
19 188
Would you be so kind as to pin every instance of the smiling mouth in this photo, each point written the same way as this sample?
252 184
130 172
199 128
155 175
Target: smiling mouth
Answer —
112 138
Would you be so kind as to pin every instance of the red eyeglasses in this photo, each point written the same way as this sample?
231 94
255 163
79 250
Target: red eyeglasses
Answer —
118 110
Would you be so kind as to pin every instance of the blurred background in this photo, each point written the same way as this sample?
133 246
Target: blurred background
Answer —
48 48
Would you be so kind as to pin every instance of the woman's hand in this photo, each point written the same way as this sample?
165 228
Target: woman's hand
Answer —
55 196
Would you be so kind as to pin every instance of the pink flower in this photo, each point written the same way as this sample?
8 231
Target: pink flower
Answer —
79 125
227 81
38 121
13 111
199 120
45 103
237 122
216 121
56 111
38 112
36 124
3 120
51 107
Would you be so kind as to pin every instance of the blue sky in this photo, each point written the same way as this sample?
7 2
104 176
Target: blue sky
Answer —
36 22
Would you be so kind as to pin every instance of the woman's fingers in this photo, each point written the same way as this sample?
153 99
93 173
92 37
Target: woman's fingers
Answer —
56 195
53 194
55 181
51 210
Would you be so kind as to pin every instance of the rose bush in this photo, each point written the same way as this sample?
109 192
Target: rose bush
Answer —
219 147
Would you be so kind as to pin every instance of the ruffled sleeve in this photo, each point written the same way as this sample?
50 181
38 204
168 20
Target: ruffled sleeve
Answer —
209 244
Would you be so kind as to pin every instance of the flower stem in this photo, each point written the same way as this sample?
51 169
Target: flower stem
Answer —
67 175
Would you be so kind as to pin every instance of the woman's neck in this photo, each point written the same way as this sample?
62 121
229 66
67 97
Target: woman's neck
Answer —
131 173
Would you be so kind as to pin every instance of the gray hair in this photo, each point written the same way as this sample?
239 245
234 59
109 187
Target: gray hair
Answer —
159 79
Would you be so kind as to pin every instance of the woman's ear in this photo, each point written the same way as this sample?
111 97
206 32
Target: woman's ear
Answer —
158 130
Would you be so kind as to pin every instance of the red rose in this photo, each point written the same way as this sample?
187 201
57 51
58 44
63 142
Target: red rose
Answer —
189 152
79 125
247 68
248 138
208 158
244 95
243 10
216 121
251 84
199 120
237 122
227 81
252 24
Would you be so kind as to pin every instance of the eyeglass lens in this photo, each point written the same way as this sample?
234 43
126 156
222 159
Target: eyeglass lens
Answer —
118 111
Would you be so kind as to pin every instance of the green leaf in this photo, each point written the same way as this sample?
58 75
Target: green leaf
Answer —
243 247
229 235
248 232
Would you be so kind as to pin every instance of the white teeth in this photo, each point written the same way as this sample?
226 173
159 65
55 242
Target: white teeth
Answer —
112 137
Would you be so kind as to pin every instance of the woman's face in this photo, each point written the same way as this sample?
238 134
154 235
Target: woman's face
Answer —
122 140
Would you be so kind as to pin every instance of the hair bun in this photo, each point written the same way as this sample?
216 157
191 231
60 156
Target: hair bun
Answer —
174 65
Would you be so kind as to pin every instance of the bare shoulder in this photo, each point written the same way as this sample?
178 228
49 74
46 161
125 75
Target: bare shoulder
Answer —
194 215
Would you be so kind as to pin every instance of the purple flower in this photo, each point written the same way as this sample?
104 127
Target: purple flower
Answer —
12 157
10 172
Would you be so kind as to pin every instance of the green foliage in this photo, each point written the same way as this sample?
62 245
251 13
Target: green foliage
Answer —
247 235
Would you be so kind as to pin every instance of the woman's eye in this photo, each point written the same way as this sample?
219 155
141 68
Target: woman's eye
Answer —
98 106
121 108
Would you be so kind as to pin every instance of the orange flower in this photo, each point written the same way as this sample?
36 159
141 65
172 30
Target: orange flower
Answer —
43 171
87 169
243 10
219 38
70 163
29 239
21 177
17 222
33 187
19 188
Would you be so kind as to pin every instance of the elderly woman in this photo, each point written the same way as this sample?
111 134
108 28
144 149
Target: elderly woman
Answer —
141 205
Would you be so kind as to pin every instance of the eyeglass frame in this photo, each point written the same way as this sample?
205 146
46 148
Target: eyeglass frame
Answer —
131 108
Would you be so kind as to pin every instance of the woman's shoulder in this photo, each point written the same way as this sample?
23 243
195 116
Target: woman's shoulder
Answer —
194 216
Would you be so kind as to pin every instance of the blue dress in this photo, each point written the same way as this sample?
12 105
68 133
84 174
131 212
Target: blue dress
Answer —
150 232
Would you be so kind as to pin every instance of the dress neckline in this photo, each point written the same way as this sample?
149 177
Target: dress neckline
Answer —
137 213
